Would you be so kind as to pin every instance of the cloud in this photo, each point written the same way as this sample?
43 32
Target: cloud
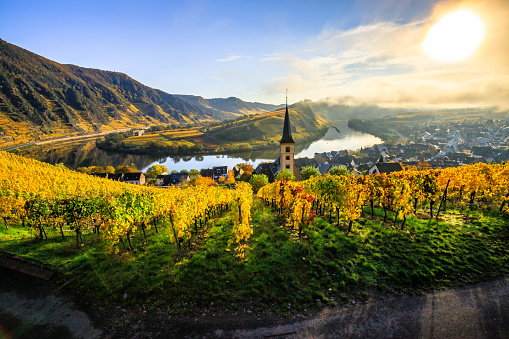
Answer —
216 78
230 58
384 64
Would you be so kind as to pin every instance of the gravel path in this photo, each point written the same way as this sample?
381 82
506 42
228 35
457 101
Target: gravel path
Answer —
33 308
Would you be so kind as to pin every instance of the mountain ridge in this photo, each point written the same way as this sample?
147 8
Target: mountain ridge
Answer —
42 99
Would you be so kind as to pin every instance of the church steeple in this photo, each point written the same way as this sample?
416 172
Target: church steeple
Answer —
287 129
287 145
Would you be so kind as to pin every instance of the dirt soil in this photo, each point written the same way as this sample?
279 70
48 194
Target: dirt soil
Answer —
34 308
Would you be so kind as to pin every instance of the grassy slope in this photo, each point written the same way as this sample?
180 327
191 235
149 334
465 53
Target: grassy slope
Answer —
327 267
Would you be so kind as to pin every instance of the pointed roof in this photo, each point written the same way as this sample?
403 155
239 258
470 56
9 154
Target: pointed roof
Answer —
287 129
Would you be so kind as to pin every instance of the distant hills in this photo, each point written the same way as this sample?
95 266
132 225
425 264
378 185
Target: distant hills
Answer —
41 99
232 105
305 123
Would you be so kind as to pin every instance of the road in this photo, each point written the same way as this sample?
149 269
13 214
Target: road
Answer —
30 307
78 137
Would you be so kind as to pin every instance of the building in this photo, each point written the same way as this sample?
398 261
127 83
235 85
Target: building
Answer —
385 167
179 178
287 145
163 179
220 171
135 178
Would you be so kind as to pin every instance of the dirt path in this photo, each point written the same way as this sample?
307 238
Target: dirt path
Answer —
30 307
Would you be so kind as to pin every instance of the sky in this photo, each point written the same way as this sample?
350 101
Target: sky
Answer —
351 52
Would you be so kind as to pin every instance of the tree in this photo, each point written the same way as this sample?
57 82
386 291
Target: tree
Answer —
285 175
82 169
124 169
339 170
96 169
257 181
184 171
423 165
203 181
231 178
174 172
308 172
155 170
194 172
110 169
247 171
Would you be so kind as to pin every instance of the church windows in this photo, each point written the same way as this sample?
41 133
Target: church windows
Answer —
287 149
287 166
287 157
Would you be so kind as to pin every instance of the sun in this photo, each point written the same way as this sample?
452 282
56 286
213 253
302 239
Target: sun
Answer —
454 37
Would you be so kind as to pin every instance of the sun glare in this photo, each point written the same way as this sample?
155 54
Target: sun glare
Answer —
454 37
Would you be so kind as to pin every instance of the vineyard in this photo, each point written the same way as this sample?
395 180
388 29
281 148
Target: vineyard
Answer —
40 195
344 197
297 245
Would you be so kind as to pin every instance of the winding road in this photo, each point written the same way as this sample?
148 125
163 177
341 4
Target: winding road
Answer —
33 308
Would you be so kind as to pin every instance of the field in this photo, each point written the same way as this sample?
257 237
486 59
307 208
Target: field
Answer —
329 267
295 246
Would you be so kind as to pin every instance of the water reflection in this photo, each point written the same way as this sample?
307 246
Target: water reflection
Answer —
86 154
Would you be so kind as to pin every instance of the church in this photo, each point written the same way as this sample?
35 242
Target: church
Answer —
286 159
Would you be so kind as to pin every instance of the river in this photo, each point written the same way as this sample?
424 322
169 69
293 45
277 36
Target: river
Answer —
337 138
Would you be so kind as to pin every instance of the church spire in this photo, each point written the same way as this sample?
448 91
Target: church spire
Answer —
287 129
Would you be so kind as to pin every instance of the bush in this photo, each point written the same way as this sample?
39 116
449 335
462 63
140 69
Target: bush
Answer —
257 181
285 175
308 172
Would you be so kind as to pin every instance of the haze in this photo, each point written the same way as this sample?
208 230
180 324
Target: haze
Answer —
366 52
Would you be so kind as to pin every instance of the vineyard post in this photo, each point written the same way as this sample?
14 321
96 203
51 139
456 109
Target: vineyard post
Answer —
175 236
444 197
143 229
403 223
503 203
154 222
240 212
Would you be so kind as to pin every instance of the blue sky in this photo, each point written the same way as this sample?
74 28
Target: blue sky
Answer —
350 51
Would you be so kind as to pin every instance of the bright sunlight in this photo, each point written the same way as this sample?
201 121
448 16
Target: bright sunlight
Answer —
454 37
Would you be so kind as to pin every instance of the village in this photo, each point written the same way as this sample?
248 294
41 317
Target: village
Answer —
448 145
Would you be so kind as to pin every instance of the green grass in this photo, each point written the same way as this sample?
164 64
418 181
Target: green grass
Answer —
280 273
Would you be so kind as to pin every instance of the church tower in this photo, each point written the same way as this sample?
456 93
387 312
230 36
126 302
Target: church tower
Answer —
287 144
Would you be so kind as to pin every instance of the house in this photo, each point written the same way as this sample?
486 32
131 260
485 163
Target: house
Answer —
163 179
324 168
178 178
385 167
138 133
220 171
237 171
118 177
207 172
135 178
269 169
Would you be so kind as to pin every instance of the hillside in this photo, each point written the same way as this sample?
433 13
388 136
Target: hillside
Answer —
268 126
235 106
42 99
295 246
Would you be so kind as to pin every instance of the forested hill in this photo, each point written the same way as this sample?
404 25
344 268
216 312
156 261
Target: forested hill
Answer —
40 98
232 105
305 123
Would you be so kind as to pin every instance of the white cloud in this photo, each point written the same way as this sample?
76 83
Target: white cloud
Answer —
384 64
230 58
216 78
